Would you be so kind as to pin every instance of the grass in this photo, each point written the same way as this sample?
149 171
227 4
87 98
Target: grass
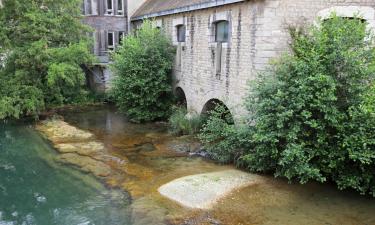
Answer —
182 123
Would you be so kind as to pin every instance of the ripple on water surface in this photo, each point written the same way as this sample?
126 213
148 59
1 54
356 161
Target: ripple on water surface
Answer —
34 189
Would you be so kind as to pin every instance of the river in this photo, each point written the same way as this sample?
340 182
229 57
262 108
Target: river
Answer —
37 189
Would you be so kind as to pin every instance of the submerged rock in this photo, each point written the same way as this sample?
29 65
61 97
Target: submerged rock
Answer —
202 191
85 148
145 211
79 148
201 153
186 144
86 164
59 131
147 147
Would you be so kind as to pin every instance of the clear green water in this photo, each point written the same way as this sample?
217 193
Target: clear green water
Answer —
34 189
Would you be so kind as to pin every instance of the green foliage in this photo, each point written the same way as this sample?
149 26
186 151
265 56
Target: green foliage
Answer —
142 67
314 111
221 138
43 46
180 123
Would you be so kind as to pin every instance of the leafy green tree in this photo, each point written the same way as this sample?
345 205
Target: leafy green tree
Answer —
142 67
314 110
43 45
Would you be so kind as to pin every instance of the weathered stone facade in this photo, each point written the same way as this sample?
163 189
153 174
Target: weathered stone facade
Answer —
110 23
258 32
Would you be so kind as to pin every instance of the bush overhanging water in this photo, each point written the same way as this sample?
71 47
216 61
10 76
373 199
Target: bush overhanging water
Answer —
312 113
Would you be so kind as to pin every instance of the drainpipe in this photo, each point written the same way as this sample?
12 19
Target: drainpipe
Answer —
128 17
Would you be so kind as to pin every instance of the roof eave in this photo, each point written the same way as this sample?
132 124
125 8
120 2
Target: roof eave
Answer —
186 9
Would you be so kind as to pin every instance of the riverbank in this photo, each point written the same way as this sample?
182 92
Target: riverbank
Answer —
153 159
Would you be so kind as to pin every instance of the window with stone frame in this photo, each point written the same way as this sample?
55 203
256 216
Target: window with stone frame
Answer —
111 42
221 31
120 7
87 7
349 18
109 7
366 13
181 33
121 36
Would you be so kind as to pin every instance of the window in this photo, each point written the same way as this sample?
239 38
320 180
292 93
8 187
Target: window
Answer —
120 7
109 9
221 31
181 33
355 18
349 18
351 11
87 7
121 35
111 41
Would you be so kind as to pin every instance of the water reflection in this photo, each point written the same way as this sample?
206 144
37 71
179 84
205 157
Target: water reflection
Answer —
108 122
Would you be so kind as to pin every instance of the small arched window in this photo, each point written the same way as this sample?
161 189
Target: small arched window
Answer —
221 31
351 12
181 33
348 18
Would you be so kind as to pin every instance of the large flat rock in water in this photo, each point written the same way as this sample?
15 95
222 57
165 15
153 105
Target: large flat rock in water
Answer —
202 191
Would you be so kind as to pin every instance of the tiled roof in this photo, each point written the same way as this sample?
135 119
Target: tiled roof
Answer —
152 8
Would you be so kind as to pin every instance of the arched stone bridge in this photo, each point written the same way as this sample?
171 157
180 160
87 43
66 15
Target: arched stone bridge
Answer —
207 71
222 45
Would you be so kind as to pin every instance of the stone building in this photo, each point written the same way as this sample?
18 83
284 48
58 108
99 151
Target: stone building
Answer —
224 44
109 19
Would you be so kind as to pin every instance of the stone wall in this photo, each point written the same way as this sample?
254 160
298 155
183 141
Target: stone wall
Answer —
258 32
102 23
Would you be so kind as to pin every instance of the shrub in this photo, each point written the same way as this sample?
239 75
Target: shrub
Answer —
142 68
223 140
314 110
181 123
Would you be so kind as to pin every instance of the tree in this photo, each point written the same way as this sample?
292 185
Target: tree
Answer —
43 45
314 111
142 67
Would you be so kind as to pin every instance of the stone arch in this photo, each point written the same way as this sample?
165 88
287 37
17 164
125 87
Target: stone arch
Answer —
181 97
212 104
367 13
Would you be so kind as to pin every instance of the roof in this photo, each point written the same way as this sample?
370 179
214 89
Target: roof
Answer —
155 8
